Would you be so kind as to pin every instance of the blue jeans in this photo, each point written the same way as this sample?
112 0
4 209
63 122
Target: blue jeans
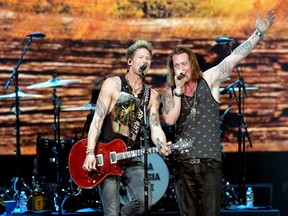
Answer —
133 180
198 188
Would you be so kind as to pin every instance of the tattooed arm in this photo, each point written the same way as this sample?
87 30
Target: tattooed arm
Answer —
157 134
171 106
104 104
219 73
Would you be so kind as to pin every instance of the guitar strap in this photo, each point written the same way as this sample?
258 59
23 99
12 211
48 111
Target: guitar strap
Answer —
139 116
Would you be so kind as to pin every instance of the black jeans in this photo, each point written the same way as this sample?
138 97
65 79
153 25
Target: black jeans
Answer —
198 187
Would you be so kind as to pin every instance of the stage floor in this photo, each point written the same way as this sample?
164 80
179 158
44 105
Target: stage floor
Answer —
90 211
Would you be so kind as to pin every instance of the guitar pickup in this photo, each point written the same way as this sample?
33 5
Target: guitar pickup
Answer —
99 160
113 158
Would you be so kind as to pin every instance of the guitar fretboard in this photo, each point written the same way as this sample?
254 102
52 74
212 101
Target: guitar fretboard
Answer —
135 153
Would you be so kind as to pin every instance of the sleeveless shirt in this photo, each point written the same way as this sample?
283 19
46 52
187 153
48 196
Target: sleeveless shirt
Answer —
118 123
204 128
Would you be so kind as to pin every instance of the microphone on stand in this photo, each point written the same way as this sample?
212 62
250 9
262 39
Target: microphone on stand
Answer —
142 68
36 35
224 40
225 90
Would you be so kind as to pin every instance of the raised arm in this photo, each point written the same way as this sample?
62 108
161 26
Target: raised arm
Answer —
222 71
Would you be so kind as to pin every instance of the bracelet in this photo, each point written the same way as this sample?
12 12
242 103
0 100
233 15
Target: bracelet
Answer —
177 94
90 152
259 34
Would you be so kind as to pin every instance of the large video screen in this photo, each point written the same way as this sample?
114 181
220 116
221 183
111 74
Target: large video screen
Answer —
86 41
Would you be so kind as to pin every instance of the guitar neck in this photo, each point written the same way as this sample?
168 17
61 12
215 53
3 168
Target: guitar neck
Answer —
140 152
136 153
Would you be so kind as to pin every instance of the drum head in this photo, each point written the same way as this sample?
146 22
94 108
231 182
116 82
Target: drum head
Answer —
158 175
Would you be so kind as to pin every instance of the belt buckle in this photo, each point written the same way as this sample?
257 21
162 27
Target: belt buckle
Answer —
194 161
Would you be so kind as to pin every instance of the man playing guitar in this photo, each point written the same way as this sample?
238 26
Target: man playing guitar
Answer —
118 115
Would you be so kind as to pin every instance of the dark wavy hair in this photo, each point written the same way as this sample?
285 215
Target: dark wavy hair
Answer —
196 72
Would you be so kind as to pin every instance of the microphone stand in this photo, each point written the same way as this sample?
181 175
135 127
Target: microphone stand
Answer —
57 142
145 133
241 136
15 75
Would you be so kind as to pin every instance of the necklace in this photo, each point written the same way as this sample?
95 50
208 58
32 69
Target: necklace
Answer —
134 90
193 109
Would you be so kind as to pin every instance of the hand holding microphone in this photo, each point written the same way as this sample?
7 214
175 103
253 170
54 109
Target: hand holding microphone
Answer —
179 75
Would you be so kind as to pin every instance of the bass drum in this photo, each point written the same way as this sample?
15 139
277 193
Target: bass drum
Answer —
158 175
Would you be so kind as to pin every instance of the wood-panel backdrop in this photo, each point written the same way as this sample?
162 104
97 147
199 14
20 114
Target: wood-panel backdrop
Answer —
86 40
265 109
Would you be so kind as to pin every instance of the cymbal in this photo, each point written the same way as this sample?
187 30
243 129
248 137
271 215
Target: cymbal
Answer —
89 106
54 82
20 95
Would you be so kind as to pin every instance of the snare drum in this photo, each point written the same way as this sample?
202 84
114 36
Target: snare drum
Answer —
158 175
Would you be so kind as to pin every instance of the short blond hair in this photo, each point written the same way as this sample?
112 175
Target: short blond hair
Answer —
137 45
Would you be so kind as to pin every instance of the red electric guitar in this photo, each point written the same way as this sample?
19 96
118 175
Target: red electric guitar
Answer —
107 157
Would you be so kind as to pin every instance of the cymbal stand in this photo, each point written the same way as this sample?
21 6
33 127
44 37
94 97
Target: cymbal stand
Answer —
57 142
15 74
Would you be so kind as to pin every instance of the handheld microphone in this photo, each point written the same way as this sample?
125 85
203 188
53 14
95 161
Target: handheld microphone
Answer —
225 90
180 76
36 35
224 40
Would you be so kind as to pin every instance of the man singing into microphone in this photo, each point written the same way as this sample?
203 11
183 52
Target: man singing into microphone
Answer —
119 115
191 101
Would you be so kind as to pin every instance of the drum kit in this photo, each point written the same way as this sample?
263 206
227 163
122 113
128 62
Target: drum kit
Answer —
51 154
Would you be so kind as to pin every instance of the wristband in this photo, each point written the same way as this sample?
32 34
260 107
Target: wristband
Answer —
90 152
259 34
177 94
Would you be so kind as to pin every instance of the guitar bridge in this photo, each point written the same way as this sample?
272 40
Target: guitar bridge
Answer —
113 158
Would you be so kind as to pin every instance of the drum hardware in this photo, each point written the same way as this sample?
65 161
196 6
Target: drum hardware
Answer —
55 82
79 199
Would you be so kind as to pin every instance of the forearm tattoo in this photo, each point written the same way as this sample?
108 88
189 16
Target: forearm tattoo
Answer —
168 102
159 142
100 108
243 49
154 119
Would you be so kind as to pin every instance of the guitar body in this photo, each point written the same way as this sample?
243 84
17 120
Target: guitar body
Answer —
107 164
